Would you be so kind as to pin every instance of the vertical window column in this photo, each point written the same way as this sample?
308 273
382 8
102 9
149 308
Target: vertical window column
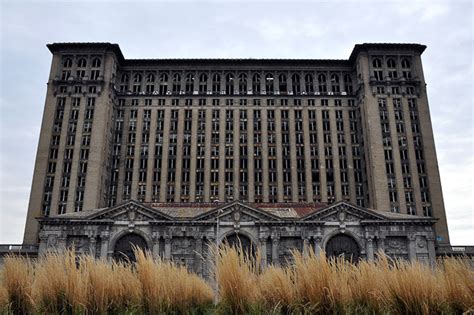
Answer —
195 123
149 193
137 154
321 154
182 142
75 168
397 130
57 141
258 154
164 159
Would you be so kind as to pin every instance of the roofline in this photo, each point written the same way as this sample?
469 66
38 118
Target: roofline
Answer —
385 46
56 47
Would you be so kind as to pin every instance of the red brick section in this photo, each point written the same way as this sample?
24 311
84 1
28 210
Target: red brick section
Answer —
302 209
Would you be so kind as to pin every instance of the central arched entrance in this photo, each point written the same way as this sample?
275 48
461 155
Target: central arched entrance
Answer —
123 250
344 246
236 240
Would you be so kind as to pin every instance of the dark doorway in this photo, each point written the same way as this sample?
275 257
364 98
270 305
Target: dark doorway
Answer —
344 246
124 247
236 240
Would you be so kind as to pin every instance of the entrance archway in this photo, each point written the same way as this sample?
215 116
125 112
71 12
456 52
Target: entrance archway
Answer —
342 245
236 240
123 250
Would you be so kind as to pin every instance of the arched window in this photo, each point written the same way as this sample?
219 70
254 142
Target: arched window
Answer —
150 78
269 83
309 85
392 68
323 88
124 78
282 84
96 63
348 83
137 78
335 83
377 65
203 83
406 63
82 63
163 84
176 83
189 83
216 83
229 84
67 63
406 68
256 83
295 84
242 83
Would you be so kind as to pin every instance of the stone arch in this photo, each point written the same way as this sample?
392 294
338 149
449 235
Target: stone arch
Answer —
124 246
246 238
345 245
117 236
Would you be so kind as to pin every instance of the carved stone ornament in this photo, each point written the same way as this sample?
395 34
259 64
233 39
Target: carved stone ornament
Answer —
237 216
342 215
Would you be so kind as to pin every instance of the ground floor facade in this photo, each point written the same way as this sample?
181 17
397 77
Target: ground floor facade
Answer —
184 233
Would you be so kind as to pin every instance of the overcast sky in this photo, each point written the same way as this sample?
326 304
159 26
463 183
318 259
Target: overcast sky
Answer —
237 29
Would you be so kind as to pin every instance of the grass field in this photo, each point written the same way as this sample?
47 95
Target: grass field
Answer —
62 284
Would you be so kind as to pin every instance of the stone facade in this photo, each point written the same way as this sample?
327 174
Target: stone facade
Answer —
293 152
170 233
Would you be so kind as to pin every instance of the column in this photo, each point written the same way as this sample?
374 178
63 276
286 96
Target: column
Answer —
179 154
349 157
193 162
307 156
431 250
264 134
321 155
335 155
207 158
305 246
164 158
412 247
104 246
263 251
294 174
151 155
317 245
279 157
198 255
236 153
275 256
123 152
250 153
222 123
156 245
92 245
370 248
137 156
167 246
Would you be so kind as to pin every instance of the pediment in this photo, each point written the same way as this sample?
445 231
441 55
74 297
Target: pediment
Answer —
344 211
237 212
130 211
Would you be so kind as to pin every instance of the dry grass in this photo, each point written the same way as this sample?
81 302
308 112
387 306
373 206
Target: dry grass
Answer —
61 283
169 288
236 272
17 280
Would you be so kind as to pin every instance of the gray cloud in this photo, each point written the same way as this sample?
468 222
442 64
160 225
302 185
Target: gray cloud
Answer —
237 29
